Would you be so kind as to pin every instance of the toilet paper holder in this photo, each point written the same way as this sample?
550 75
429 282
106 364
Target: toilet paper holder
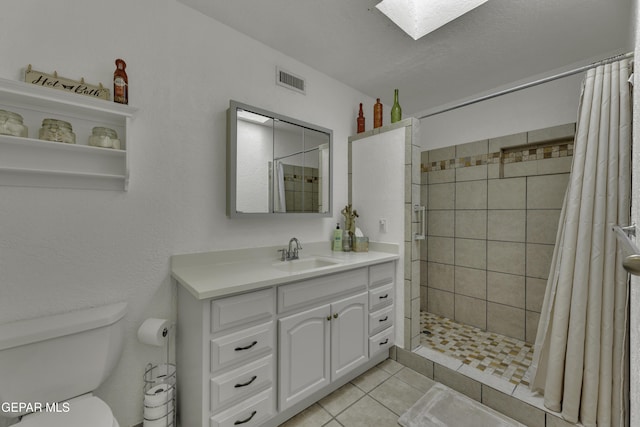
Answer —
159 395
159 405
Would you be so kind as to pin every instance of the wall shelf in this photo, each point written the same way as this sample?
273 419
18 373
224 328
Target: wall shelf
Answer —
36 163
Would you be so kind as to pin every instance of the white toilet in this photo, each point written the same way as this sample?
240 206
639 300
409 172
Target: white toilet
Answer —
50 365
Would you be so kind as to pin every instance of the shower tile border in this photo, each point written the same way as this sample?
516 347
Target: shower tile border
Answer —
530 148
504 157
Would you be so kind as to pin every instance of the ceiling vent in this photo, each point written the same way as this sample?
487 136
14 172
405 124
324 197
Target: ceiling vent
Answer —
290 81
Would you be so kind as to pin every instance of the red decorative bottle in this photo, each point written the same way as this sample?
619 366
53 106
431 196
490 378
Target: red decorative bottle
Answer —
120 83
360 120
377 114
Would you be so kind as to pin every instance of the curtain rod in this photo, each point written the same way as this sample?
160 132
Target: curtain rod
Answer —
295 154
531 84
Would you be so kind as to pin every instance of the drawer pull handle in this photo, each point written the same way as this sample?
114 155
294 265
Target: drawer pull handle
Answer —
384 342
246 420
384 296
247 383
384 319
247 347
335 316
328 317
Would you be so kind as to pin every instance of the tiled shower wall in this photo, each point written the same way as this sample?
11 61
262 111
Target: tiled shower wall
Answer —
301 188
492 212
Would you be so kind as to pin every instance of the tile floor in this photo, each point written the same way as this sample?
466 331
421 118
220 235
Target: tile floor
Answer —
376 398
496 364
495 354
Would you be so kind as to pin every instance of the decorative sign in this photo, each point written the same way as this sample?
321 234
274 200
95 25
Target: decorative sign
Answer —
55 82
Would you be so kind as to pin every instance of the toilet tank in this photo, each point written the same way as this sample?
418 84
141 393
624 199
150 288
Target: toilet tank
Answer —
55 358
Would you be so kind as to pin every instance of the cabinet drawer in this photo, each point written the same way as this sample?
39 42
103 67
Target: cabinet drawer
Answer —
250 413
381 341
321 288
240 346
380 320
381 274
381 297
241 309
242 382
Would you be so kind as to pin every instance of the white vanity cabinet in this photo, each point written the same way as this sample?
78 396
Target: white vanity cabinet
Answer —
257 358
319 345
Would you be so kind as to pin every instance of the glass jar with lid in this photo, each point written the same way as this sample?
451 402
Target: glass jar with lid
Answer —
12 124
58 131
104 137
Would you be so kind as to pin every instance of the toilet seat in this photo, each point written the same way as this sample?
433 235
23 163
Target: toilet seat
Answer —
83 412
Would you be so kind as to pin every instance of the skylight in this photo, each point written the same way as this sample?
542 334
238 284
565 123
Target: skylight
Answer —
420 17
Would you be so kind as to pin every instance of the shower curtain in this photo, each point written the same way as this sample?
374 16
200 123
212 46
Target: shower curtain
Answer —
580 354
281 202
324 181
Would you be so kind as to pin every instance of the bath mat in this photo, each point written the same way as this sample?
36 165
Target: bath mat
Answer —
444 407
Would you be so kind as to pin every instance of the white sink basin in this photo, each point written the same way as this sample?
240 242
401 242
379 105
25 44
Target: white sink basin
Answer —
311 263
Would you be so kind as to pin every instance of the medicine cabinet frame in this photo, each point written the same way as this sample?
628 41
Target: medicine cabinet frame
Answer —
234 164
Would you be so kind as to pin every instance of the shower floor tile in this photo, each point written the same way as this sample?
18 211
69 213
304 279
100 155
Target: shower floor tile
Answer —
491 353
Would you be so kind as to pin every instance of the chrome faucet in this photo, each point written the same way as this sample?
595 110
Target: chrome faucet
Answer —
294 254
291 253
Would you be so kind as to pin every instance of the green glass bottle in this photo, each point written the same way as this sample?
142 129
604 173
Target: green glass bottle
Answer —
396 111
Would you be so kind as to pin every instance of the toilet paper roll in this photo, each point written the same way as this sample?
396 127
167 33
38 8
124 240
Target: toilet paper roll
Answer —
158 395
154 332
155 412
162 422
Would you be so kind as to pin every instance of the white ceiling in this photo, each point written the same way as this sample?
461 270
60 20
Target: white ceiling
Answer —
500 42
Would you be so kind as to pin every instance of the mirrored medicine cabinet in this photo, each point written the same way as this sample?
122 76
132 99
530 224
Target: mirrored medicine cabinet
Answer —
276 165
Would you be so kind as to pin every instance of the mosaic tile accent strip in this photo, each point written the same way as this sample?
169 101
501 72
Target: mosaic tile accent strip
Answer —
495 354
546 151
562 148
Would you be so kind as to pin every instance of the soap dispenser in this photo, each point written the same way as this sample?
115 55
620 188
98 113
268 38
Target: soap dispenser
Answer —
346 241
337 239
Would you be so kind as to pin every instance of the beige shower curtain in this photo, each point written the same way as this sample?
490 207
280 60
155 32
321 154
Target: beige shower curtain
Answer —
580 356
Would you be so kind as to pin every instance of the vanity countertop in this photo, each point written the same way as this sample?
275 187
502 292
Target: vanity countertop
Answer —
222 273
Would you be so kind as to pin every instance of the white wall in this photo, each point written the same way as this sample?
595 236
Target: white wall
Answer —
378 167
65 249
377 183
543 106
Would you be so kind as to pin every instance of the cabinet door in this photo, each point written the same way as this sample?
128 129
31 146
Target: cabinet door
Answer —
304 354
349 334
